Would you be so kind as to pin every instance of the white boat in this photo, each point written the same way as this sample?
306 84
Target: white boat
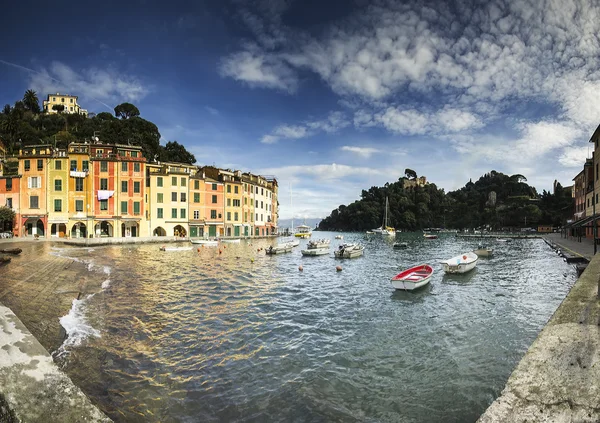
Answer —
400 245
503 239
349 251
339 237
413 278
385 229
231 241
369 232
482 251
460 264
279 249
163 248
293 241
303 231
317 247
206 242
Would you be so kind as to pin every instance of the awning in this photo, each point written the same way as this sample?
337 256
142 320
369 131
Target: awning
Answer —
583 221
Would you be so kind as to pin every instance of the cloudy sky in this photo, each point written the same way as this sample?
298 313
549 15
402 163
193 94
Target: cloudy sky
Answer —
331 97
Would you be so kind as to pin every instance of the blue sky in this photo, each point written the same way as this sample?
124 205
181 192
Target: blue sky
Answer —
330 99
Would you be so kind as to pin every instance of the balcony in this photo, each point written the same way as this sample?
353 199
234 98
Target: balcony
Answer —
79 173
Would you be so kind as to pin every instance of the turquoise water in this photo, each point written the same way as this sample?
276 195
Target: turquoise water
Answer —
215 335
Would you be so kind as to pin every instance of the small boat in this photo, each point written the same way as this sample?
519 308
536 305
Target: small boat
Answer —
206 242
349 251
503 239
460 264
385 229
430 236
295 242
482 251
319 243
339 237
303 231
279 249
369 232
4 260
11 251
400 245
231 241
413 278
317 248
163 248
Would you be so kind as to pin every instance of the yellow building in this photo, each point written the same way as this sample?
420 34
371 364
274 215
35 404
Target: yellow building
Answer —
197 206
58 198
79 190
69 102
247 204
233 202
33 166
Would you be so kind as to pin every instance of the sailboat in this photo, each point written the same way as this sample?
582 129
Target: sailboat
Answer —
385 229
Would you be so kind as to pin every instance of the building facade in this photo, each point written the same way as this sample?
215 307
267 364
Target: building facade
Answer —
68 103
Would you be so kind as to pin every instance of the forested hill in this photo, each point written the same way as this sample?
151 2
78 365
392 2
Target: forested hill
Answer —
25 124
496 201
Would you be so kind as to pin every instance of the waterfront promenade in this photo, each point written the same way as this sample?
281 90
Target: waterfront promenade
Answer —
557 379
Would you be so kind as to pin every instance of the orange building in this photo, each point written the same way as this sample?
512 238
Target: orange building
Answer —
131 190
214 201
10 197
104 186
33 166
79 191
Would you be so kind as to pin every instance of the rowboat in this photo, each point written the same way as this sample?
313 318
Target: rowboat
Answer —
279 249
205 242
460 264
349 251
413 278
163 248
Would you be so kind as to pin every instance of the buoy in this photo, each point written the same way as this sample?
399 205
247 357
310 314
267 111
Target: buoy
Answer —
338 268
220 251
224 246
464 257
300 268
198 249
252 260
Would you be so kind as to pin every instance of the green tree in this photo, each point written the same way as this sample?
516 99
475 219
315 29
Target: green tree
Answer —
7 217
176 152
126 111
6 109
31 101
59 108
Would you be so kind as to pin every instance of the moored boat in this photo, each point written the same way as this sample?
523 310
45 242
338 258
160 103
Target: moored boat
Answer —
163 248
482 251
400 245
279 249
303 231
385 229
205 242
231 241
349 251
413 278
430 236
461 263
339 237
317 247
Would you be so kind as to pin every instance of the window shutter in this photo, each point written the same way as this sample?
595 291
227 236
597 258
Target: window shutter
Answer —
29 182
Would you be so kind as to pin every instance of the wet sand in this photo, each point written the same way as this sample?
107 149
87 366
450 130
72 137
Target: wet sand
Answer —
40 287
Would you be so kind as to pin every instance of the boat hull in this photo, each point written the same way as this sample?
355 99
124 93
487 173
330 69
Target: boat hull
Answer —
406 285
205 242
349 251
315 251
413 278
461 264
280 249
484 252
175 248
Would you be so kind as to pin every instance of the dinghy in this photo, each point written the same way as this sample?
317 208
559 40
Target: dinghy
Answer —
413 278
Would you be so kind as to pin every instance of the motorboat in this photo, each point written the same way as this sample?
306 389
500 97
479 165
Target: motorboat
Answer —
295 242
461 263
339 237
385 229
430 236
317 247
303 231
279 249
503 239
231 241
349 251
163 248
482 251
413 278
205 242
400 245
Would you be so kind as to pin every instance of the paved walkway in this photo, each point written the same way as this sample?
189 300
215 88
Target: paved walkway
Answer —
585 248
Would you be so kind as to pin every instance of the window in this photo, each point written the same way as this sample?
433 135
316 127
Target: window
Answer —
228 215
159 197
9 184
235 216
53 98
196 215
124 167
182 213
174 181
183 183
79 184
252 202
214 187
136 167
124 186
236 203
85 165
9 203
262 191
235 189
57 205
26 164
34 202
71 108
596 171
256 216
245 201
159 182
174 213
245 216
62 100
196 184
136 187
57 185
78 205
262 205
103 183
103 204
71 101
213 214
34 182
136 208
214 199
174 197
257 190
229 202
123 207
103 166
159 213
183 197
73 165
57 165
228 188
196 197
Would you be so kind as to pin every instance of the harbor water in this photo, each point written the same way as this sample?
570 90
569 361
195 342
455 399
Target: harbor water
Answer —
229 334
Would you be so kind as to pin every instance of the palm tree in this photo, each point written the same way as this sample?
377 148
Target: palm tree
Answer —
31 101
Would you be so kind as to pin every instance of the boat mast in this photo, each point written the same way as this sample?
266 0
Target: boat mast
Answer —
385 214
291 208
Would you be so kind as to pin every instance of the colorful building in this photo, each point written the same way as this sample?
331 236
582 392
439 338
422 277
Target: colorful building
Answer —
103 159
10 197
69 102
79 191
197 205
232 182
33 166
58 190
214 202
131 191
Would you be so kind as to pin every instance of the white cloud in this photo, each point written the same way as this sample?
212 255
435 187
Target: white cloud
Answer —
574 157
103 85
365 152
334 122
414 122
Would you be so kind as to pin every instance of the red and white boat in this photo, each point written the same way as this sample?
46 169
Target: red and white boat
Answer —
413 278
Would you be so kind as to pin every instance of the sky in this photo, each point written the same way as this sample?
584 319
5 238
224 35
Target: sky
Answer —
330 97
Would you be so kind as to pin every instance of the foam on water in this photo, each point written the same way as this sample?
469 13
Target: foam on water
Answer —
76 325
